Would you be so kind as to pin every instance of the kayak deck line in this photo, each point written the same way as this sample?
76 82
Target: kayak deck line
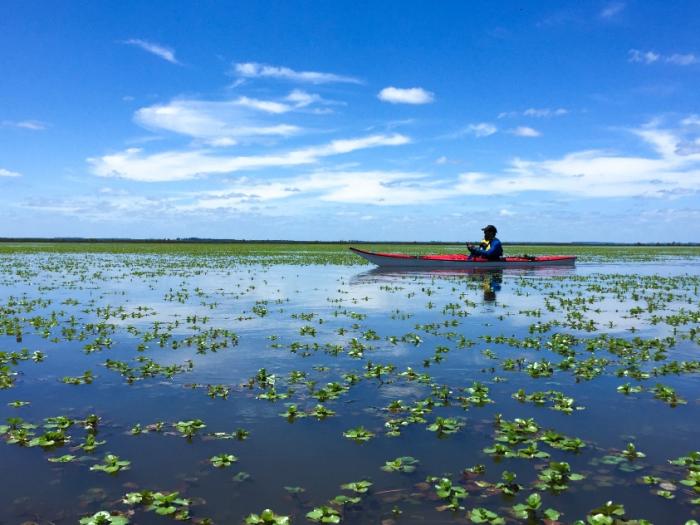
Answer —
460 260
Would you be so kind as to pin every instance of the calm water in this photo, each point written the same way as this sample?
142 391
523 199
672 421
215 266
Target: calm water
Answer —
326 322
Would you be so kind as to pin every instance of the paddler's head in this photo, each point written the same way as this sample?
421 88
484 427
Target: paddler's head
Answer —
489 232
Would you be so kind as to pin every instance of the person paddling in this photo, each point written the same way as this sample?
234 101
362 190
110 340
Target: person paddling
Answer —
490 248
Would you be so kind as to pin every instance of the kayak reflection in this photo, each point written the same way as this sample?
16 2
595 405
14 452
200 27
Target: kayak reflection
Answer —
491 279
491 283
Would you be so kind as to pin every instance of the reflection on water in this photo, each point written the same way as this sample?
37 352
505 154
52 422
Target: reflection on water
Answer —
387 274
489 279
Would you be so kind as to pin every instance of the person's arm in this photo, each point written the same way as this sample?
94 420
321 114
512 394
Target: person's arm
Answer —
493 249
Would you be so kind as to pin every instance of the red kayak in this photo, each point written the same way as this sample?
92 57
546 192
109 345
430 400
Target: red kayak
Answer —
459 260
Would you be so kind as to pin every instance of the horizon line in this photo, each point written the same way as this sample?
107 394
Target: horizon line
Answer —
214 240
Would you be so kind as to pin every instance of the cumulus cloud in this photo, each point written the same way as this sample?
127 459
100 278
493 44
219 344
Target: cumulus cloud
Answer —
525 131
649 57
158 50
396 95
8 173
482 129
256 70
595 173
134 164
667 170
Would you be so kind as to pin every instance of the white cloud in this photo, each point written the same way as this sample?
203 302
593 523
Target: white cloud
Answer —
649 57
535 112
525 131
117 206
159 50
545 112
667 171
34 125
301 99
395 95
296 99
692 120
256 70
8 173
381 188
612 9
220 123
225 122
591 173
594 173
268 106
443 160
134 164
482 129
682 60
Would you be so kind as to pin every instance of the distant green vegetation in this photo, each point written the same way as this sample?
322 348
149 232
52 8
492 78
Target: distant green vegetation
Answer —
336 253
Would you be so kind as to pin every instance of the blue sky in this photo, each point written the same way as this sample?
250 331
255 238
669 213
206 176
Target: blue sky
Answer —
561 121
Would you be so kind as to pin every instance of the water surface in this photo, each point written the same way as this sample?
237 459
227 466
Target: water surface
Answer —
165 337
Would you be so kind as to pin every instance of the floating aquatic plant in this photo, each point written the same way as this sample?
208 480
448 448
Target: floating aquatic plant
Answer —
556 477
451 493
112 464
165 504
405 464
324 514
359 434
223 460
444 426
267 517
104 518
190 428
529 510
482 515
360 487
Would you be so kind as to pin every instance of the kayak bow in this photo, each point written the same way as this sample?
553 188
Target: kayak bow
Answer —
459 260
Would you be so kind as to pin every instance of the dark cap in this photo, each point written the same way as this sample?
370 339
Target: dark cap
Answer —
490 227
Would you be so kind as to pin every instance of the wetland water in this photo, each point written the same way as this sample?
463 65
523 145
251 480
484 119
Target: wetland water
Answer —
244 386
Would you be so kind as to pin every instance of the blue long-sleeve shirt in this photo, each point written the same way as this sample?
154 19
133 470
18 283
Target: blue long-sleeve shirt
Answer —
492 253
